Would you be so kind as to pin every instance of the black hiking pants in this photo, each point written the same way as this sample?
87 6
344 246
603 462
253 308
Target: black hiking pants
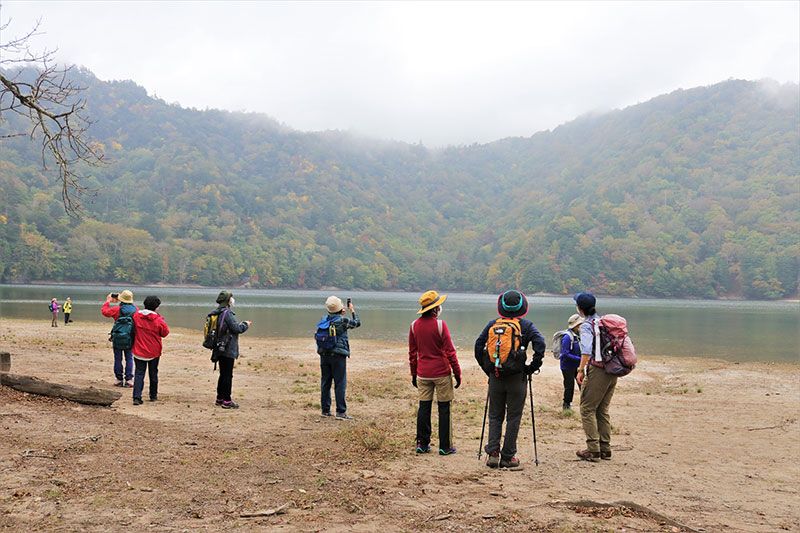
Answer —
569 384
424 424
225 381
506 401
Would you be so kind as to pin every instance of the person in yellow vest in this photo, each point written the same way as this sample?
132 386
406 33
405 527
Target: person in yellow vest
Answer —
67 310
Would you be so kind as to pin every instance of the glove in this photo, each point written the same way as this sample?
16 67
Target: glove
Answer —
536 364
414 381
458 381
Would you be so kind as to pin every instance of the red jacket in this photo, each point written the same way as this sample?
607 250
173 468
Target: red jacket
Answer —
431 353
150 329
112 311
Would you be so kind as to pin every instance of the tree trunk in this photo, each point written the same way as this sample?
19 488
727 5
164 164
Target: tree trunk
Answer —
84 395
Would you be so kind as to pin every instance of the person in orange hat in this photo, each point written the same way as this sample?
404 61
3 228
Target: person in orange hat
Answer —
434 364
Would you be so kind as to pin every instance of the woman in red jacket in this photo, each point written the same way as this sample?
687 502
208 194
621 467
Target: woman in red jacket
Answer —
150 329
433 362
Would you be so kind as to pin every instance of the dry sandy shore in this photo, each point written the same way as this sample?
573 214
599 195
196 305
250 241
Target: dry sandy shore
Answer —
705 445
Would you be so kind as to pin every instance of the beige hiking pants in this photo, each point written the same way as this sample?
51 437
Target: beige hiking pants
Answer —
598 388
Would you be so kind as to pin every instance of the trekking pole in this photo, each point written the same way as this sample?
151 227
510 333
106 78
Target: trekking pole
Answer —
483 427
533 422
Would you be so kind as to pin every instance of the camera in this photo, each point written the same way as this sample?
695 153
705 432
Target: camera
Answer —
349 300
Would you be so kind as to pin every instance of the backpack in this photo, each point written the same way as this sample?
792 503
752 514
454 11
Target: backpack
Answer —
555 348
502 346
212 338
122 332
326 334
616 348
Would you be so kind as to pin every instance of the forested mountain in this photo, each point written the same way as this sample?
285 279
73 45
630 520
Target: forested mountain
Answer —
691 194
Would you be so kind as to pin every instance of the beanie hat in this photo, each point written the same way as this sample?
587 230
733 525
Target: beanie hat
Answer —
126 296
333 304
512 304
224 297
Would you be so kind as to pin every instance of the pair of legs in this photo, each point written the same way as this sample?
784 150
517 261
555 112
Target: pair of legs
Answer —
151 367
54 322
333 371
569 375
443 387
506 401
66 318
225 381
598 389
119 353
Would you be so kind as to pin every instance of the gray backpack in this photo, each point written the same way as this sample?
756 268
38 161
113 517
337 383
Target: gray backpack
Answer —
555 347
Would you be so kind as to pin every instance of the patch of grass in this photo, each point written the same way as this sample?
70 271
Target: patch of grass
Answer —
566 413
371 438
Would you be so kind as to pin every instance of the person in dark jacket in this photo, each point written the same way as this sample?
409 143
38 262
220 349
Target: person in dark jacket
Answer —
333 363
570 358
434 364
150 329
229 330
507 391
125 308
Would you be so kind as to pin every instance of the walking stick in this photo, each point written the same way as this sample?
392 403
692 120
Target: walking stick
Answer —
483 427
533 422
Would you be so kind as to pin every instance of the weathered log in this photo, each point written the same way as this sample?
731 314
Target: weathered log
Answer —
5 362
84 395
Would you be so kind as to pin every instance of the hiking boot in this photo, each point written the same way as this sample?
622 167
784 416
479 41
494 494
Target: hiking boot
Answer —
219 402
137 401
605 455
326 413
119 383
449 451
493 460
128 384
586 455
229 404
566 407
153 399
343 416
510 463
423 448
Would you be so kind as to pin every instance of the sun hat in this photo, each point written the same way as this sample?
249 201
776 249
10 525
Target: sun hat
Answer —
512 304
429 300
126 297
574 320
224 297
585 300
333 304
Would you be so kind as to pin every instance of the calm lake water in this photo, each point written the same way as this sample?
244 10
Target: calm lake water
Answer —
734 330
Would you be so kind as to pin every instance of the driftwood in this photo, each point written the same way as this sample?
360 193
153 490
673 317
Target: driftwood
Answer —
630 506
84 395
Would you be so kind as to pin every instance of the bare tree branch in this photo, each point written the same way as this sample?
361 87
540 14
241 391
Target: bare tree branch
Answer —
44 94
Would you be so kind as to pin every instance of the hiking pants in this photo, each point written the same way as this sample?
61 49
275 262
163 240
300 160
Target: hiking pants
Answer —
596 393
225 382
66 318
424 424
569 383
506 401
118 354
151 367
54 322
333 369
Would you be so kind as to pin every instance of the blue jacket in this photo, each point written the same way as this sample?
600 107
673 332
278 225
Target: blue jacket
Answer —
342 324
570 351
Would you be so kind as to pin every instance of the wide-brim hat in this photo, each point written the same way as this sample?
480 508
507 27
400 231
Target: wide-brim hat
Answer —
429 300
574 320
334 304
126 297
512 304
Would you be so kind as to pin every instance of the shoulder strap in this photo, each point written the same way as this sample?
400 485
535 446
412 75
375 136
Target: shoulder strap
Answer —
439 326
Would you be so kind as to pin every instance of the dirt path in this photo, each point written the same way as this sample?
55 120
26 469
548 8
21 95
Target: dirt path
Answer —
707 444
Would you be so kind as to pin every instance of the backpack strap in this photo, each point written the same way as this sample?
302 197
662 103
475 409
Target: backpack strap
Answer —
439 326
596 334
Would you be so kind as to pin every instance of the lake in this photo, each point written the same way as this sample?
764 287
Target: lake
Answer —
734 330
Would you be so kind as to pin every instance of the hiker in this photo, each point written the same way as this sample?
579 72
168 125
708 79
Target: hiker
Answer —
150 329
506 395
53 313
570 358
121 334
597 386
227 354
333 359
67 310
434 364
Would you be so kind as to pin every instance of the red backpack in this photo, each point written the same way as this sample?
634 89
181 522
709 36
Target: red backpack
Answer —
616 347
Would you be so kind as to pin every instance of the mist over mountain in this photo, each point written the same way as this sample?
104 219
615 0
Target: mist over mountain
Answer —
691 194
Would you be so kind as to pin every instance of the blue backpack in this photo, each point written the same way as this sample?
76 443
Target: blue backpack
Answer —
326 334
122 332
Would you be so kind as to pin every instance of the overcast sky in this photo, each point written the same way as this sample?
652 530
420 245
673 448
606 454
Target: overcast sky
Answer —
440 73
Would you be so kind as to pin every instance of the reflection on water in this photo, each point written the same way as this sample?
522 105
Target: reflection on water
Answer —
725 329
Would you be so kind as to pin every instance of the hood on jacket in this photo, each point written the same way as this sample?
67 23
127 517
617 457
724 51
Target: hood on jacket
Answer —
148 314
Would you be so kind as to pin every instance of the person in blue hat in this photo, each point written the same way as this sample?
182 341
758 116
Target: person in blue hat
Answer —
507 390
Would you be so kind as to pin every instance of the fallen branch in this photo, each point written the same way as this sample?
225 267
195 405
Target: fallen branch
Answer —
623 506
782 425
269 512
36 453
84 395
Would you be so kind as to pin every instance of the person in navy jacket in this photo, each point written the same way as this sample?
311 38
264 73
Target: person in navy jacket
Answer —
570 357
